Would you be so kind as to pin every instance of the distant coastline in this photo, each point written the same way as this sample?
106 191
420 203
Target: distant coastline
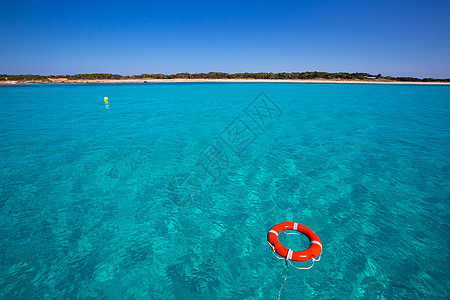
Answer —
305 77
101 81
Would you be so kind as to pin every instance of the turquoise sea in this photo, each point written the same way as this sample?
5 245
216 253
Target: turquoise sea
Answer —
170 190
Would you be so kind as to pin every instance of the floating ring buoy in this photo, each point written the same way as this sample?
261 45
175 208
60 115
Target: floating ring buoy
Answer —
315 246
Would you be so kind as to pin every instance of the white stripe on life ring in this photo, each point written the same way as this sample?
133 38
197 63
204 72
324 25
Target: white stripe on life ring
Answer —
316 242
295 226
289 255
273 231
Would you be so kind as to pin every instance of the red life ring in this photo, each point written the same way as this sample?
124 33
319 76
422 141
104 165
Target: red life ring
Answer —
315 246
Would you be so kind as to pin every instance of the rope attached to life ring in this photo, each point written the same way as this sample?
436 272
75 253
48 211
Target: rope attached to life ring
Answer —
289 256
289 261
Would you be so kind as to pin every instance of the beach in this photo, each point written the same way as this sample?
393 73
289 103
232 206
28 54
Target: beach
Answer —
182 80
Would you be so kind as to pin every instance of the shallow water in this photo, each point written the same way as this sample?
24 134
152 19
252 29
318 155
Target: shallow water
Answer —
170 191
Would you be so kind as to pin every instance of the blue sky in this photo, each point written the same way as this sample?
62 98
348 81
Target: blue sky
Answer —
398 38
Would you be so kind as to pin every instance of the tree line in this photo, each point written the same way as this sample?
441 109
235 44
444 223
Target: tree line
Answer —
221 75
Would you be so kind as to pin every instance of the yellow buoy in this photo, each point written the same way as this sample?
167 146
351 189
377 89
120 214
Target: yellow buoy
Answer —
105 99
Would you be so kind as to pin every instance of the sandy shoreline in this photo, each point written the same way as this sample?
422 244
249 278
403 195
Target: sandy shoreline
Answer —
78 81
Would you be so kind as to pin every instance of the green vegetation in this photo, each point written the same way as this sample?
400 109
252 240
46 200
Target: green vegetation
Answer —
220 75
93 76
5 77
